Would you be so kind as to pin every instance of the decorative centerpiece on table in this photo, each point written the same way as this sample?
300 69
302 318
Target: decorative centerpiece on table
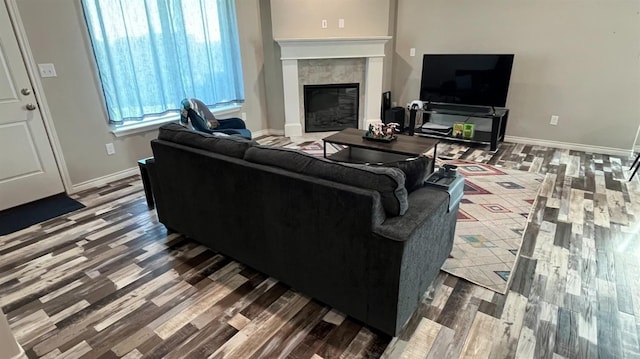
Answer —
381 132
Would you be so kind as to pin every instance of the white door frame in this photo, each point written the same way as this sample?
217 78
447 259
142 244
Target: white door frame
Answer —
38 92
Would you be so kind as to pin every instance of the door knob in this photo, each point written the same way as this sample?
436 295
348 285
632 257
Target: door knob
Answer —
26 91
31 107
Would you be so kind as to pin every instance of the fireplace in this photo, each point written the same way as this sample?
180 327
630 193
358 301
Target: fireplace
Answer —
331 107
293 51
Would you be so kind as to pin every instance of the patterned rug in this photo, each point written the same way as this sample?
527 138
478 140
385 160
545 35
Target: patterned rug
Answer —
491 221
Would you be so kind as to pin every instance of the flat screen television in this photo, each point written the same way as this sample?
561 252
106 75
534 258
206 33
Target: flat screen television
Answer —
472 79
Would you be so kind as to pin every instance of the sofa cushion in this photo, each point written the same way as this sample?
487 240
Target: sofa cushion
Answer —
388 181
415 170
233 145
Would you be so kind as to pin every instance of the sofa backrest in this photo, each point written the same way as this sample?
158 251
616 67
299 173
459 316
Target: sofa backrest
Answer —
388 181
234 146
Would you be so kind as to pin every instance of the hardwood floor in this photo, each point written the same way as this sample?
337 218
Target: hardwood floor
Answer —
108 281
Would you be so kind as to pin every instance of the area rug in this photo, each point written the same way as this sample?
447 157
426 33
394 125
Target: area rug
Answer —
26 215
492 219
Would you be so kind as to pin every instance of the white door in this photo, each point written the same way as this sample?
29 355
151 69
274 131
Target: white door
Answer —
28 170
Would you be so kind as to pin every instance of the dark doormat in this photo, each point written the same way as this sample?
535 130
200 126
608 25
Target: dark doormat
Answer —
28 214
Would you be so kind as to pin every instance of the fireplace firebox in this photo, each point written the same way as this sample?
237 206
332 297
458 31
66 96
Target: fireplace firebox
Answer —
331 107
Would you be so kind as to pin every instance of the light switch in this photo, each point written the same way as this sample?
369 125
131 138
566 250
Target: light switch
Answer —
341 23
47 70
412 51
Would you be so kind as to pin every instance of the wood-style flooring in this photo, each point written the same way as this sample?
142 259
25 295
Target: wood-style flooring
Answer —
109 281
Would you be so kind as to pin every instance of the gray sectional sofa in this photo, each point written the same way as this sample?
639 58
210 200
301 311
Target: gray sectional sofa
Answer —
350 236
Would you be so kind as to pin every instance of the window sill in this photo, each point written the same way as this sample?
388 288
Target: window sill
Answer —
155 123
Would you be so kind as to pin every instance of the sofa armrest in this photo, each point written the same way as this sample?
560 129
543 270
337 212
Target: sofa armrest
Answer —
426 233
424 203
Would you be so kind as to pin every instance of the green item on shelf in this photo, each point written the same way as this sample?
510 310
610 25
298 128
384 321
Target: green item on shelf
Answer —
468 131
457 130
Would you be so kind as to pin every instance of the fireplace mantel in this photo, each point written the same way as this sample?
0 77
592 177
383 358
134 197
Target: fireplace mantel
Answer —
292 50
332 47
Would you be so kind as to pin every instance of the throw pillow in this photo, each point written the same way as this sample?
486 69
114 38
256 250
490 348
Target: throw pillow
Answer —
233 145
389 182
416 170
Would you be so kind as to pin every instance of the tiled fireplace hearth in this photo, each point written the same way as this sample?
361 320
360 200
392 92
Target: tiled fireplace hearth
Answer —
295 72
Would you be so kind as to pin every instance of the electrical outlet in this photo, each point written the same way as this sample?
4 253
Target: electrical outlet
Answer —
47 70
341 23
110 149
324 23
412 51
554 120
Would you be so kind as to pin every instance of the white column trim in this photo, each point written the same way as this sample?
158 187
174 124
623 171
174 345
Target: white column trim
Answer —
373 85
293 120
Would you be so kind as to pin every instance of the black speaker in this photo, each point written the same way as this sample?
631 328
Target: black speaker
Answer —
386 103
395 114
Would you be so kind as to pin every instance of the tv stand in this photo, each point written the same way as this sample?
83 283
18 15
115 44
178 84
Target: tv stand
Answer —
491 122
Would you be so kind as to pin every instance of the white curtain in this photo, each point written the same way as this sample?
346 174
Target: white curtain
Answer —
153 53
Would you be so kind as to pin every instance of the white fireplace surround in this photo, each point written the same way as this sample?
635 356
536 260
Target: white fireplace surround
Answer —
292 50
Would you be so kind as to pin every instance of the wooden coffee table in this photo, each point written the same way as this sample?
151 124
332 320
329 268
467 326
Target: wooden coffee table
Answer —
359 150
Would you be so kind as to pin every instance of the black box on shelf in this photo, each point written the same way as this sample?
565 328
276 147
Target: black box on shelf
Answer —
395 114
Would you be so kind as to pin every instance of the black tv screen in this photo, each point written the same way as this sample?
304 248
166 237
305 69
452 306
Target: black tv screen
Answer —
481 80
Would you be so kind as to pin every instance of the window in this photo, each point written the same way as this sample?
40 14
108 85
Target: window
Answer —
153 53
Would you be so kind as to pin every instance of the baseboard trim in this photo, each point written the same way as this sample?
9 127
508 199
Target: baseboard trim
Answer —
267 132
101 181
571 146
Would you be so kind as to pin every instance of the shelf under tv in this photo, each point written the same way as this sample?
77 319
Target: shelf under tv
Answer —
476 140
494 122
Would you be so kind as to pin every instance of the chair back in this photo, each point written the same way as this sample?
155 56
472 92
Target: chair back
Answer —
202 119
196 112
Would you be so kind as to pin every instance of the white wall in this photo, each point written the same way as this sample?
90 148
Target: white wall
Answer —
272 70
252 50
303 18
57 34
9 348
576 59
